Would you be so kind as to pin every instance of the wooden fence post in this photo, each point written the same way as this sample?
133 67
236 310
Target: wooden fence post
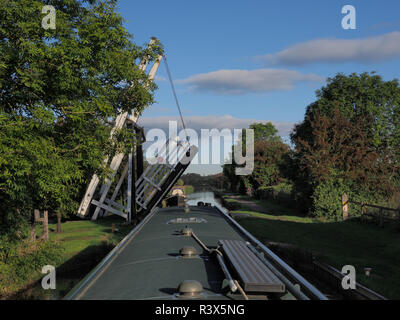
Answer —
45 221
345 206
363 212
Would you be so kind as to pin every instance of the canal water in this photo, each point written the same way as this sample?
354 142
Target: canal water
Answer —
205 196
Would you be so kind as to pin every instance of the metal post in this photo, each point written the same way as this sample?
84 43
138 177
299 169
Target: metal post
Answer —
139 151
131 191
133 201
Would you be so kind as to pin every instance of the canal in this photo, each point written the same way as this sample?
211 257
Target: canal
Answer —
205 196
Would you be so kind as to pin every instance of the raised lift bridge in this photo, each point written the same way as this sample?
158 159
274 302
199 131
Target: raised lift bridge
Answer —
144 189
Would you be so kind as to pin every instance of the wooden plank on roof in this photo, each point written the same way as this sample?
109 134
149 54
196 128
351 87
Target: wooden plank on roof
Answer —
252 272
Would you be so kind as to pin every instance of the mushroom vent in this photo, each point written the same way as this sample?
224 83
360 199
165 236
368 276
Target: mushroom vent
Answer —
187 231
190 289
188 252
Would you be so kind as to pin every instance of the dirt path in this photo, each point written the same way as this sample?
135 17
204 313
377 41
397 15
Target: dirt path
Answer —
249 204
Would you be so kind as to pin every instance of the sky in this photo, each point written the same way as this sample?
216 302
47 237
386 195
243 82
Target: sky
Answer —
238 62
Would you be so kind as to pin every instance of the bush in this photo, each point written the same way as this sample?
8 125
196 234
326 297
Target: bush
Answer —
282 193
21 262
326 199
189 189
348 141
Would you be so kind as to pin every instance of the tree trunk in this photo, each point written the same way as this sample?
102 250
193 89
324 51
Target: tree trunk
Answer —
33 233
58 230
45 226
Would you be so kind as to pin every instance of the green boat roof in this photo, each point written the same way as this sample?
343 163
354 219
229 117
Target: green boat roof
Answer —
147 263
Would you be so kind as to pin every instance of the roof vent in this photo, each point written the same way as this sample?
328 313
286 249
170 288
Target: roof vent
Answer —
187 252
190 289
187 209
187 231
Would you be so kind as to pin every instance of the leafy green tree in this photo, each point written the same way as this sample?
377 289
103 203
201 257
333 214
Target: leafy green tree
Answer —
357 96
267 157
268 150
58 91
348 142
229 172
264 132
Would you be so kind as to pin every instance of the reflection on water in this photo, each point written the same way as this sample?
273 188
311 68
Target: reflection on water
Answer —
205 196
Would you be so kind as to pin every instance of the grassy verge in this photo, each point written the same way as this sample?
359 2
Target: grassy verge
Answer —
79 235
271 206
339 244
74 252
274 217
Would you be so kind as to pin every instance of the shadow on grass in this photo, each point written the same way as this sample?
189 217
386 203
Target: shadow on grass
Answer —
83 262
268 206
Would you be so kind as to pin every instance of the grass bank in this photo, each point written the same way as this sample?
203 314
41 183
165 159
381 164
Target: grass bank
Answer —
75 251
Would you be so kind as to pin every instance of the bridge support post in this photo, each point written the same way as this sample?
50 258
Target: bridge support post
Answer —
140 138
131 190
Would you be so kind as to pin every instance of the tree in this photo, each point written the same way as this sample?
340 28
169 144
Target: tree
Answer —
58 90
357 96
229 172
348 142
264 132
267 156
268 150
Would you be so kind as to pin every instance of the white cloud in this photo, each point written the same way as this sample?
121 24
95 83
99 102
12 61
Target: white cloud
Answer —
210 122
372 49
246 81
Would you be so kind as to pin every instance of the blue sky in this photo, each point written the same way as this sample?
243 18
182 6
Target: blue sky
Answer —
235 62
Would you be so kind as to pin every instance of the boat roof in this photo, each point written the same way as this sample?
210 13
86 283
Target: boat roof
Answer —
147 264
